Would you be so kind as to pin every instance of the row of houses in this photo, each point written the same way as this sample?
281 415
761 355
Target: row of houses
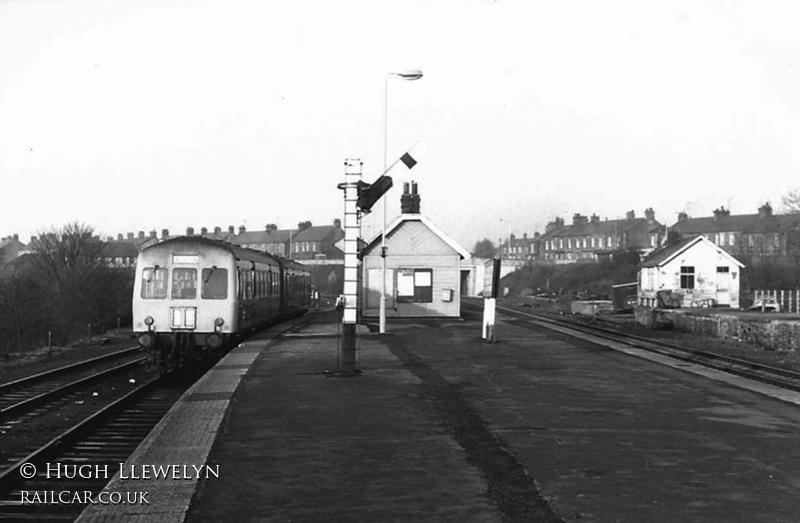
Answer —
307 242
761 234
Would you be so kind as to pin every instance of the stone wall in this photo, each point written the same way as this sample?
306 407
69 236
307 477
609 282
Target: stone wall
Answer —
766 330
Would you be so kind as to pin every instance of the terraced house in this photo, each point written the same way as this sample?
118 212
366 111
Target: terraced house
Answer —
590 239
762 235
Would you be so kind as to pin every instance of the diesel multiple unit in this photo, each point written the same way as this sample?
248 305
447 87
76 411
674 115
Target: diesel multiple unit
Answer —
193 296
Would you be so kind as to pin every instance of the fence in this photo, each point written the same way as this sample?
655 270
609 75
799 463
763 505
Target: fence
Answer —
789 300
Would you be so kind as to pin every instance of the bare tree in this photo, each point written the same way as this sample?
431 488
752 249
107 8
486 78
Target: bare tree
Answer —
68 262
791 202
20 308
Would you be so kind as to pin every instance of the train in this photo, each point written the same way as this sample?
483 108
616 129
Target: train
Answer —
193 297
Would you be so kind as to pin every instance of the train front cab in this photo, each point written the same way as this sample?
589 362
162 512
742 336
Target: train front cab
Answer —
184 309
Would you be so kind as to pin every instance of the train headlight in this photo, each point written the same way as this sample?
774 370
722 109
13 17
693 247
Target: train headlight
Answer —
149 321
146 340
218 323
214 341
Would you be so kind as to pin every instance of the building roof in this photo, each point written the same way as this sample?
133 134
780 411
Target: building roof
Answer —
263 237
409 218
120 249
666 254
7 242
606 227
746 223
318 233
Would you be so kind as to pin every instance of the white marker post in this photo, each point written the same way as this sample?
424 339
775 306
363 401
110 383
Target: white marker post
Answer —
489 305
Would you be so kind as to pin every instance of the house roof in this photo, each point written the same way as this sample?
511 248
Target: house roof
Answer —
7 242
318 233
120 249
262 237
403 218
746 223
664 255
607 227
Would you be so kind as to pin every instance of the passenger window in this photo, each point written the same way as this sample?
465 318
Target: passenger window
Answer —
184 284
154 283
215 284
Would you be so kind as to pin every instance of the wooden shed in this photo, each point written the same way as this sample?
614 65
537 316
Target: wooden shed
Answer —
694 271
423 268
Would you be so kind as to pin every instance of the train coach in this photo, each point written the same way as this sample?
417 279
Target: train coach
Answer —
194 296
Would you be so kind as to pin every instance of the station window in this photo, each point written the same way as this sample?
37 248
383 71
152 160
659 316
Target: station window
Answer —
184 284
687 277
415 285
215 284
154 283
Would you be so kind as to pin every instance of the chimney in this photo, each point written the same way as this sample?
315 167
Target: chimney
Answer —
164 234
231 230
594 219
141 234
576 219
630 215
242 229
130 235
16 237
203 231
270 227
190 231
337 223
721 213
682 216
33 239
409 201
217 230
120 237
524 235
650 214
765 211
153 233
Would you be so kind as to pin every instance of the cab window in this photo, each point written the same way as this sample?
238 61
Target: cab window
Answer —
184 284
154 283
215 284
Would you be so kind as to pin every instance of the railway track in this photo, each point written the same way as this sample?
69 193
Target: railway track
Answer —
103 441
778 377
39 385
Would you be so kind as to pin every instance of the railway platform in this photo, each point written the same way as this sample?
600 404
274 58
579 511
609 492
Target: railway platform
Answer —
442 426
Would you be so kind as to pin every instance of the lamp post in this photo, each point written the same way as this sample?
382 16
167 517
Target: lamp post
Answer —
414 74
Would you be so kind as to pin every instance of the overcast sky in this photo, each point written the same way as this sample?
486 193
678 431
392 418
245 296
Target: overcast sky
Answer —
143 115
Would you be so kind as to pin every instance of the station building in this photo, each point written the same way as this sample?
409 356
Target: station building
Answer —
695 271
423 266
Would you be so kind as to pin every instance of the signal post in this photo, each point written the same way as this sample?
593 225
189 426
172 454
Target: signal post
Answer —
348 363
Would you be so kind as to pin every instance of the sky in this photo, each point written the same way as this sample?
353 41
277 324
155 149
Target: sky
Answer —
149 115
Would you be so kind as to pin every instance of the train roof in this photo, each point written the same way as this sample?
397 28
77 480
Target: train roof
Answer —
238 251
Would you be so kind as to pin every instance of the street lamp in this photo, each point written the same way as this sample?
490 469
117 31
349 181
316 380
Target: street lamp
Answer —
413 74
